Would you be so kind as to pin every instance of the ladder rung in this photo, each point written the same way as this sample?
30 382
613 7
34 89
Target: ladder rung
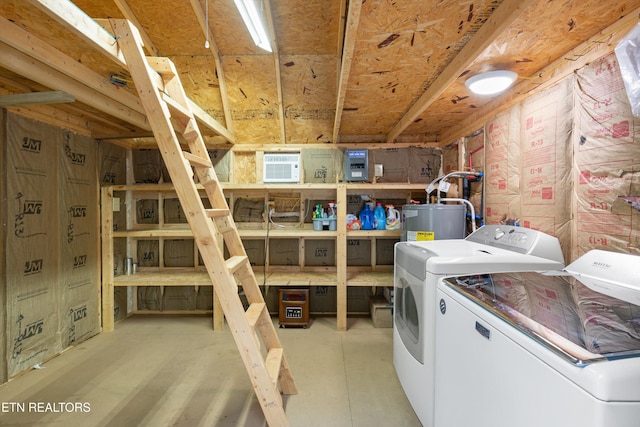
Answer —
273 363
216 213
236 262
176 108
253 313
197 160
207 181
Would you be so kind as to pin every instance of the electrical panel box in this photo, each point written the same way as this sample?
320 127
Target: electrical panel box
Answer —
356 165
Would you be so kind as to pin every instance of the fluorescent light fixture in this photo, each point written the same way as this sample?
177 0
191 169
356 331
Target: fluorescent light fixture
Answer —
491 83
30 98
252 20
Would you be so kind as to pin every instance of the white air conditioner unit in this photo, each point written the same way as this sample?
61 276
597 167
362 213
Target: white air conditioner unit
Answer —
281 167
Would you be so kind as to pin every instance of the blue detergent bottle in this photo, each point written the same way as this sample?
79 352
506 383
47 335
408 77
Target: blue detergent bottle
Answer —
380 217
366 218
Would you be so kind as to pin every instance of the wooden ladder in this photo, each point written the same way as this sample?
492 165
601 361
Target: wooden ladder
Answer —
169 114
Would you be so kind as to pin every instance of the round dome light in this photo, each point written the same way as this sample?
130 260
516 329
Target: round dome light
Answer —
491 83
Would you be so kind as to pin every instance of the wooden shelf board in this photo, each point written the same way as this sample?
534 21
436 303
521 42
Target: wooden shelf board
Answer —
386 186
164 278
301 279
374 233
247 233
372 278
201 278
168 187
154 233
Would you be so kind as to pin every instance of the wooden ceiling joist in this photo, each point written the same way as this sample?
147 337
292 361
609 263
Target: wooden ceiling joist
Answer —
215 52
276 59
123 6
78 80
345 71
504 15
351 30
76 21
31 98
27 66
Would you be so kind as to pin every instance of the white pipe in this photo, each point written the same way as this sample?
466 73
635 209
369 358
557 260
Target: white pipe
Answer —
473 211
455 173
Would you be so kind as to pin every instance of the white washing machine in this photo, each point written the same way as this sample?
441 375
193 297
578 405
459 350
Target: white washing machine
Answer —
419 266
530 350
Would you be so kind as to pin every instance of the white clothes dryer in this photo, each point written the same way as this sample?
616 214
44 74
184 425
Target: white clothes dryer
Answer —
417 268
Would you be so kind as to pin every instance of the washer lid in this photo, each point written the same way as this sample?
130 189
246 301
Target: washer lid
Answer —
609 273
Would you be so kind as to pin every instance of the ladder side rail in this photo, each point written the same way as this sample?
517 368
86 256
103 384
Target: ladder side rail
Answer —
214 191
202 226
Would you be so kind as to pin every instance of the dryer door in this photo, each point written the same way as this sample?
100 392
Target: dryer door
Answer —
408 313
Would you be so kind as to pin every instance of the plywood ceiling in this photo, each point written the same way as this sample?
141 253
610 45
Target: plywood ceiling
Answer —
356 72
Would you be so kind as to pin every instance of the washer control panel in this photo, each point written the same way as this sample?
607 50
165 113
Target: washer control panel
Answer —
519 239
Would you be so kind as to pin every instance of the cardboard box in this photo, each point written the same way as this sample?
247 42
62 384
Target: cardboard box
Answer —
381 312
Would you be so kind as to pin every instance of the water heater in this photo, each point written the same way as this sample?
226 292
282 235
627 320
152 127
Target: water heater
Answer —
434 221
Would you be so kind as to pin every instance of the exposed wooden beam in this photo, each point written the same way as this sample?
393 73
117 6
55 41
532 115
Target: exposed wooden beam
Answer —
12 86
31 98
205 119
497 23
276 59
291 148
351 31
80 81
71 117
588 51
53 116
128 14
76 21
213 47
372 139
33 69
342 29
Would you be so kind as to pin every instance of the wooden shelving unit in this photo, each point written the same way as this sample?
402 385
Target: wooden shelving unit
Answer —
341 275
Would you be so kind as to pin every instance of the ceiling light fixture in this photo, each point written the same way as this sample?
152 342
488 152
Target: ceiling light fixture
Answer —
252 20
491 83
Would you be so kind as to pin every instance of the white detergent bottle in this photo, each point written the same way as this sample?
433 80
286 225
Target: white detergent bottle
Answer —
393 218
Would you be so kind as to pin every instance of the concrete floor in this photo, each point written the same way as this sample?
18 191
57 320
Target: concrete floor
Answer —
175 371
